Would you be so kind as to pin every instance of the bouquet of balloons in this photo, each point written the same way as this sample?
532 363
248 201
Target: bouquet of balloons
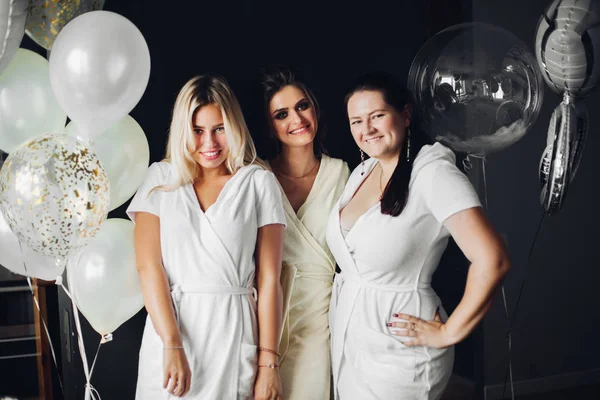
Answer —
59 182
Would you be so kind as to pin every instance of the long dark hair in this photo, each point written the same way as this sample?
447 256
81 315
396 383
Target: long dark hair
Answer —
398 96
275 78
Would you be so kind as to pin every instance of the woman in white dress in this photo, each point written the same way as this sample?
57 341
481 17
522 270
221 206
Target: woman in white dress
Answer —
312 182
209 224
391 337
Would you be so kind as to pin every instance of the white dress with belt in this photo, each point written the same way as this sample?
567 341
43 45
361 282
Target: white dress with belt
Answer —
387 264
208 258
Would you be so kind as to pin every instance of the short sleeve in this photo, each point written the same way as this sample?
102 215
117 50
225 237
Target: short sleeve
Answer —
269 203
447 190
146 200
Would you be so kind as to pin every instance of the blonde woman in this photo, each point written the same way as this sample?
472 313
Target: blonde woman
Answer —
209 224
312 183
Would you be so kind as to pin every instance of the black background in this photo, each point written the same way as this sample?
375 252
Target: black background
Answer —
331 43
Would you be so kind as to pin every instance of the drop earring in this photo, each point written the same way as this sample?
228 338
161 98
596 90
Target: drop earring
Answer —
408 144
362 161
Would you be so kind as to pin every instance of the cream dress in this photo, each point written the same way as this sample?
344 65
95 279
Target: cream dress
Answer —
307 278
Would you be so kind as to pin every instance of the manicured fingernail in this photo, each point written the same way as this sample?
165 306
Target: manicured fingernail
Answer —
389 324
396 315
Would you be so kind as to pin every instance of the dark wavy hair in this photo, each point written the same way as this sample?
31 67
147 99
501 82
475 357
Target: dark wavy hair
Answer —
275 78
398 96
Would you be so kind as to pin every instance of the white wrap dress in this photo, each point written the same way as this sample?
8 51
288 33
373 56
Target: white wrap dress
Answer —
209 261
387 264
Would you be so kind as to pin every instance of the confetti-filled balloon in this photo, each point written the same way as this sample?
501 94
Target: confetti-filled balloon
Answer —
47 17
54 194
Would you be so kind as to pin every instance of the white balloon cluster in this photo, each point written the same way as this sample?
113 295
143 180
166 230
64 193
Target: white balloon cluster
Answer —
59 183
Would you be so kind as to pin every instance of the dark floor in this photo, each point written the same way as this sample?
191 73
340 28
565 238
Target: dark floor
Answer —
577 393
460 389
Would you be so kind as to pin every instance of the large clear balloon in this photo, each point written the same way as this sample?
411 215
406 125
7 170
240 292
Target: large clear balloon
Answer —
20 259
477 88
567 46
124 153
105 282
13 14
54 194
99 70
47 17
28 107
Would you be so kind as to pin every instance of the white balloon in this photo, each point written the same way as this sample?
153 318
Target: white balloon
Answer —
124 153
105 282
28 107
13 14
27 262
99 69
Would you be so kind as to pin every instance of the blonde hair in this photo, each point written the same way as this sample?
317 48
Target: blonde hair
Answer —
196 93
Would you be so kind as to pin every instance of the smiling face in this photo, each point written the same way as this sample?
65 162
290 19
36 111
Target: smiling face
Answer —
210 140
293 117
377 127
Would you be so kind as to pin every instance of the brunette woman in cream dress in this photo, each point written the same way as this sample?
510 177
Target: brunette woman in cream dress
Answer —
312 183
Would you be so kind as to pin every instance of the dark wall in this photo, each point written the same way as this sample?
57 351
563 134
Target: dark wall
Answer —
331 44
554 330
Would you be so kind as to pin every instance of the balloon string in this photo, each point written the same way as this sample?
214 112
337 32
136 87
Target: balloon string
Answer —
37 305
90 391
509 330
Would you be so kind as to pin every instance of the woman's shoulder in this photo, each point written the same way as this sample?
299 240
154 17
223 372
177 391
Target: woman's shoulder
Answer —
257 174
160 171
432 156
335 164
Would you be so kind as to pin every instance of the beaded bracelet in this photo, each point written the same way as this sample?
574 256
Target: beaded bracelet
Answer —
269 351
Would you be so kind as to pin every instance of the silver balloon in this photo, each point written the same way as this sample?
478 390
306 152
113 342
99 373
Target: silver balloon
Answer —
567 46
562 155
54 194
477 88
13 14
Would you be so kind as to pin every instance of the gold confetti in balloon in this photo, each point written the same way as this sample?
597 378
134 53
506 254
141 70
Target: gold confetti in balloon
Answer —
54 194
47 17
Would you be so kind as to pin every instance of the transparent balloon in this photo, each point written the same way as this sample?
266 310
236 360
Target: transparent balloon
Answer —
47 17
477 88
54 194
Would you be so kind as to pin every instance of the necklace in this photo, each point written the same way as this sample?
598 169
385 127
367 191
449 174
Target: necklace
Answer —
291 179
